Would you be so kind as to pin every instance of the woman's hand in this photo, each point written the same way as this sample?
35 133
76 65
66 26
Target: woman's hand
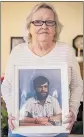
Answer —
10 122
70 120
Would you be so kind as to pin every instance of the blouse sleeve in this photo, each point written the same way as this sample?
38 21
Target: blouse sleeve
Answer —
6 87
76 84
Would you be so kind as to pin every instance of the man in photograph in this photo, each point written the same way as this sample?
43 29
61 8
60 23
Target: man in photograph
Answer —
43 109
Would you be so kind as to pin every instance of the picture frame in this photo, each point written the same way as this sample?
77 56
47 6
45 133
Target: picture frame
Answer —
15 41
22 81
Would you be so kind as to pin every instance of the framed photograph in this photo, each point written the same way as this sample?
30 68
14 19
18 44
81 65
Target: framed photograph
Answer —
15 41
78 45
40 98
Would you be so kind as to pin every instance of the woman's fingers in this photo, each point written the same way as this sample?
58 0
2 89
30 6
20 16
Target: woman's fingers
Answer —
69 120
10 122
70 125
69 115
11 126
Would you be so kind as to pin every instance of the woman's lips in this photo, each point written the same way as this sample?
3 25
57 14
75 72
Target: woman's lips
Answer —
43 33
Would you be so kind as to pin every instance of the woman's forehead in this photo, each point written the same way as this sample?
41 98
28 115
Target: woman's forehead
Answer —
43 13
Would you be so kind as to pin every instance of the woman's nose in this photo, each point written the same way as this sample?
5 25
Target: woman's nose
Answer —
44 25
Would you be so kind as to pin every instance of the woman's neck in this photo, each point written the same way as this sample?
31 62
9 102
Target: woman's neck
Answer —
41 48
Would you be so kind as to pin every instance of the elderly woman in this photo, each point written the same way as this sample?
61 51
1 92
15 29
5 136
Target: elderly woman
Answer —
42 48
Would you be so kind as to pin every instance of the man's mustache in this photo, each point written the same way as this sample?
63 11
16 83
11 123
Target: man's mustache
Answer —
43 92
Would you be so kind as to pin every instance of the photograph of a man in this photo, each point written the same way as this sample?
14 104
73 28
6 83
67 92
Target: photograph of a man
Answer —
43 109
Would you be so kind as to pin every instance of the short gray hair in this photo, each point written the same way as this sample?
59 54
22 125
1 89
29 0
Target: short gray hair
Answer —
58 27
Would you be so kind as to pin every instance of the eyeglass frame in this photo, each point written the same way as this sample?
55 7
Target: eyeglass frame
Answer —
33 22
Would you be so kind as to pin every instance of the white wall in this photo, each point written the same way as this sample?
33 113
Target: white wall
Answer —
13 15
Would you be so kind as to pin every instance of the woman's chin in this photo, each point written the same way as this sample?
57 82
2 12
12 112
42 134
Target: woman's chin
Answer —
43 39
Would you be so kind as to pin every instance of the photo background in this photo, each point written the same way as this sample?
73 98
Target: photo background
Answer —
26 77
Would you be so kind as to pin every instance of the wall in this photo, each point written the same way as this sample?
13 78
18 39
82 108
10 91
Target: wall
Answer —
13 16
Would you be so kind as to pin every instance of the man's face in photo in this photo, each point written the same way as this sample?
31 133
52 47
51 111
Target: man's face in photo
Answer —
42 91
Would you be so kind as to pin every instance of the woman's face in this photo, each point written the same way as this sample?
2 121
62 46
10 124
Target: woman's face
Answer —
42 32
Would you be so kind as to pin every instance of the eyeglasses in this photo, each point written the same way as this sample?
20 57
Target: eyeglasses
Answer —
47 22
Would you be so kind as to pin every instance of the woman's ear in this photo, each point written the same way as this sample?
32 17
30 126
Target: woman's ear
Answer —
29 37
54 38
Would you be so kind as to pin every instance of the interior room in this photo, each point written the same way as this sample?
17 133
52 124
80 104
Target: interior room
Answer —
13 17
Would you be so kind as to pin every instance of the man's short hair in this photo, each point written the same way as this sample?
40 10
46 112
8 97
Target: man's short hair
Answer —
40 80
